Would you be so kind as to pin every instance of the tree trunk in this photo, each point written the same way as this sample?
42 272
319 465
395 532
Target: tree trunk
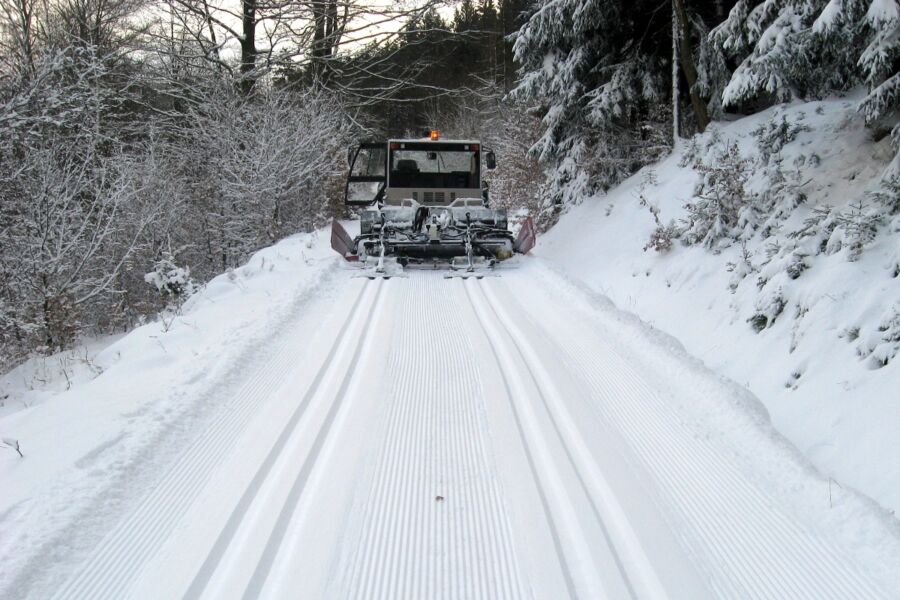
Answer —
687 65
331 28
248 45
675 96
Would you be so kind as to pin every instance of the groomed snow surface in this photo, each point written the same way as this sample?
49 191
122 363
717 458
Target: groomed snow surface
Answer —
300 432
512 437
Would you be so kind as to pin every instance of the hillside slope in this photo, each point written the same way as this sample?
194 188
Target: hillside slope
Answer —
793 291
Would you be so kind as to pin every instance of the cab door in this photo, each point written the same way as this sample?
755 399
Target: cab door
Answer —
368 174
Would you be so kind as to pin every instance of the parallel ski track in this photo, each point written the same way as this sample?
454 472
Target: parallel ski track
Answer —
350 342
116 562
755 549
510 351
413 545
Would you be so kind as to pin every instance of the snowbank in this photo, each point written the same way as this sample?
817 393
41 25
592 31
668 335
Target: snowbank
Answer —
81 446
822 307
43 377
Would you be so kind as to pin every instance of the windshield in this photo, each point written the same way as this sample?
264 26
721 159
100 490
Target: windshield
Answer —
434 166
369 161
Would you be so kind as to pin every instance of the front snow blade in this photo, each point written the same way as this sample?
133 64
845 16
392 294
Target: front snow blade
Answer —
526 238
341 241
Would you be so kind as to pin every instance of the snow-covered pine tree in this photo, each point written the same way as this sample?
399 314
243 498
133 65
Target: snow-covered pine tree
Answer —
772 40
785 49
712 70
603 98
879 61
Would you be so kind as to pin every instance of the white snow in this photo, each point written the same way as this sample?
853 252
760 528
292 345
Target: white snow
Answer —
297 430
42 377
813 368
425 438
883 11
828 18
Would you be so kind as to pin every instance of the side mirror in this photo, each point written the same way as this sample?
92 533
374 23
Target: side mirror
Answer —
490 160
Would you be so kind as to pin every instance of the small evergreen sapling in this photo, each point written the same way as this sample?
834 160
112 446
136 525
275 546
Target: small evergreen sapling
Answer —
740 268
174 283
817 229
775 134
714 216
856 228
663 235
889 194
768 307
889 343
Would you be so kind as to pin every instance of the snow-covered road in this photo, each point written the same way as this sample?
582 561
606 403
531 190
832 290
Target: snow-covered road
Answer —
509 437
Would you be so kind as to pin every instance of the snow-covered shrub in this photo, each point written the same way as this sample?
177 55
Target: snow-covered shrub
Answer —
691 153
740 268
888 345
662 236
851 334
258 166
880 343
777 201
768 307
714 215
889 194
817 229
856 228
797 264
787 259
100 172
660 239
174 283
773 135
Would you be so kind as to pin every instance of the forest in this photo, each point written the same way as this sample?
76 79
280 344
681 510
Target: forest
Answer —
149 145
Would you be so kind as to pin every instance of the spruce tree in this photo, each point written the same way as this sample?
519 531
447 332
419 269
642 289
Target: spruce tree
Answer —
596 71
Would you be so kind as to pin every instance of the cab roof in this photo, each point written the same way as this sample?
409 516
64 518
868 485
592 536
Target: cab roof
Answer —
431 141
